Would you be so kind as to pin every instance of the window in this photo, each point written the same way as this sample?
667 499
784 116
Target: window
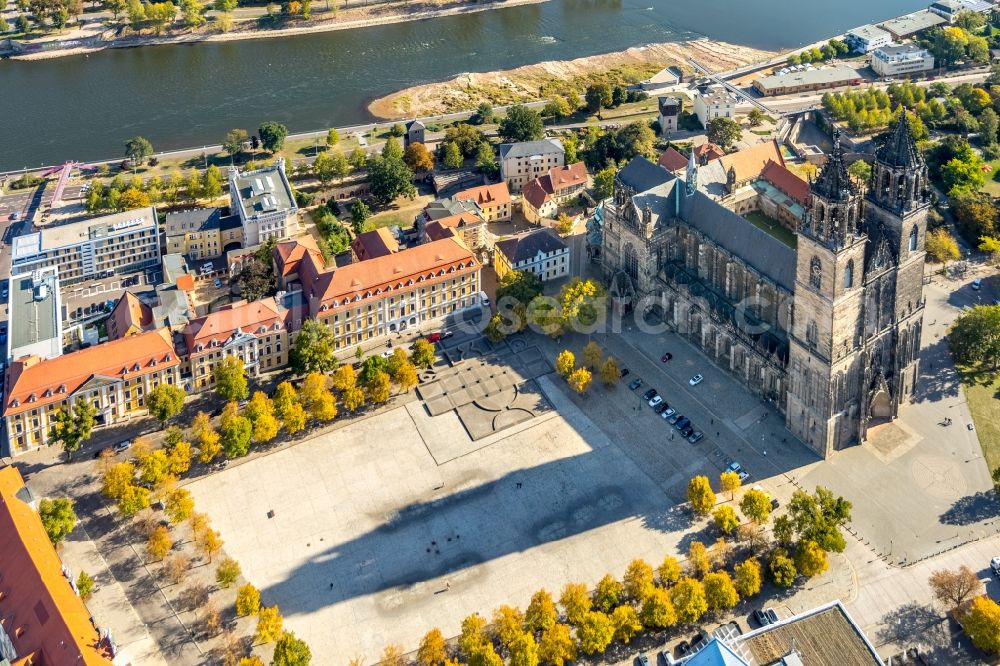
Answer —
849 275
815 273
913 239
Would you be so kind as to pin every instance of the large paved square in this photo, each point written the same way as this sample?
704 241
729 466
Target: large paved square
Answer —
374 542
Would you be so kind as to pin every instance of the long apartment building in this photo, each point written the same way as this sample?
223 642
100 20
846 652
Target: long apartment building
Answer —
115 377
114 244
256 333
404 290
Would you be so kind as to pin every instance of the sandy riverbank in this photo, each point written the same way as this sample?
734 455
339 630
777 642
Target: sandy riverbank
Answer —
531 82
348 19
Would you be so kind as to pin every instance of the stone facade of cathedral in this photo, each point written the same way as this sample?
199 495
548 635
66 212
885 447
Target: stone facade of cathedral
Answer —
829 330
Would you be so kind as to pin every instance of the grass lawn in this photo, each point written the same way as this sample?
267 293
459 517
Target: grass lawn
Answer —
992 186
772 227
985 407
401 213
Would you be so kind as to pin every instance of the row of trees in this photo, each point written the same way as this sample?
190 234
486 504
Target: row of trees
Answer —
831 49
580 378
129 193
578 307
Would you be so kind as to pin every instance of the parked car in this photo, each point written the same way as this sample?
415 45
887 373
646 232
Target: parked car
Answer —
995 565
623 372
666 357
123 445
667 413
648 395
760 617
217 283
687 431
772 615
635 383
387 353
683 649
977 284
655 400
682 422
674 419
643 660
697 379
660 408
775 504
696 436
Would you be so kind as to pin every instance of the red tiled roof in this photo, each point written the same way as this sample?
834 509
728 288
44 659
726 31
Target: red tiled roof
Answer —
464 219
289 253
372 244
431 261
129 357
436 231
567 177
221 324
786 181
36 597
537 191
749 162
486 195
709 151
672 160
185 282
128 312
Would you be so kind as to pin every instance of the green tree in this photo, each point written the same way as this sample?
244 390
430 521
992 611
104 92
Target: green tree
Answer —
230 377
451 156
235 140
595 631
391 150
313 350
598 96
941 245
291 651
486 160
541 613
782 568
211 183
192 13
72 428
755 118
974 339
688 599
989 124
473 633
783 530
165 401
389 178
720 593
520 124
138 149
378 389
818 517
58 518
756 505
227 572
724 131
359 216
178 505
860 170
272 136
557 646
133 500
84 585
235 432
225 6
247 600
604 182
423 355
982 624
747 577
700 495
332 137
725 519
153 467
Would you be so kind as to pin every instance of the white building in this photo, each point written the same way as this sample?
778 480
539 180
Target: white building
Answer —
670 111
521 162
714 103
901 60
265 203
541 252
950 9
92 249
35 315
867 38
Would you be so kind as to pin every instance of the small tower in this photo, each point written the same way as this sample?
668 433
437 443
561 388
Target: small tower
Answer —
691 178
834 218
731 180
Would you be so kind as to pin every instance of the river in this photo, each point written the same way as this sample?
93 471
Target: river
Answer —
179 96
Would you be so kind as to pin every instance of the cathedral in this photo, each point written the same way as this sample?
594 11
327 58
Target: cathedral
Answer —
825 324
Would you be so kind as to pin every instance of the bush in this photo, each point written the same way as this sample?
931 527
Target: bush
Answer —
84 585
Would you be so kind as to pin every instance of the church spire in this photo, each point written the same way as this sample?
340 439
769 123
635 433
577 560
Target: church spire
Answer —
833 182
898 149
692 174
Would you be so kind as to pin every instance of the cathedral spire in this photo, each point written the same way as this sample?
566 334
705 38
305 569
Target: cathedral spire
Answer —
692 174
833 182
897 148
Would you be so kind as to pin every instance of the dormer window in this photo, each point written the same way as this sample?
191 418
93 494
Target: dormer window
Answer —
199 347
48 393
277 325
420 279
15 403
324 308
166 359
62 388
135 368
32 398
261 330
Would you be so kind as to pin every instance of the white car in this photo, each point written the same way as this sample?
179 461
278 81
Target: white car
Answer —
387 353
655 401
697 379
667 413
995 566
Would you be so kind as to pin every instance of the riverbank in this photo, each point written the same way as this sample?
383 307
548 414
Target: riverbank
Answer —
532 82
347 19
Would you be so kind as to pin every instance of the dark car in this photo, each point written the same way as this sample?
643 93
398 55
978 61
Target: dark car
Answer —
648 395
642 660
682 422
683 649
666 357
771 615
774 504
675 418
660 408
687 432
623 372
696 436
635 383
760 617
698 642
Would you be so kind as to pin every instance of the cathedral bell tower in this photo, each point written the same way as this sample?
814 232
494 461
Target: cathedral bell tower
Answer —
830 259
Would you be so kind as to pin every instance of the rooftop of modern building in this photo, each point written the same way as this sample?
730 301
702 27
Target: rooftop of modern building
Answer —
46 621
75 233
34 309
897 50
816 76
527 246
194 220
717 95
869 32
910 24
530 148
263 191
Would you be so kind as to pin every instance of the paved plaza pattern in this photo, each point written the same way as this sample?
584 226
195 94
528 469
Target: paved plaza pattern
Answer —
372 541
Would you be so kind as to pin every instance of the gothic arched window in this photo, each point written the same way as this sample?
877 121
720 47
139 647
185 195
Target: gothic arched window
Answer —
812 333
849 275
913 239
815 273
631 263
